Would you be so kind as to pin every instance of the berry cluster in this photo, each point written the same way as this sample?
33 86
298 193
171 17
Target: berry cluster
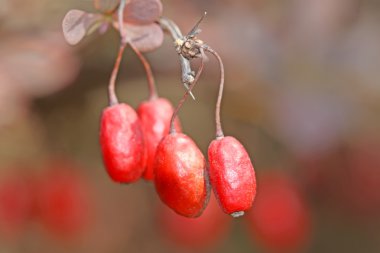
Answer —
149 143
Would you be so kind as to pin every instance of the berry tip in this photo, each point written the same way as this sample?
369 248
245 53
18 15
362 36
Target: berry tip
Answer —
237 214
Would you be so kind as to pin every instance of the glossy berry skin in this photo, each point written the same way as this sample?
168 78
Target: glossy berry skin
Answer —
180 176
195 233
122 143
280 219
155 116
232 175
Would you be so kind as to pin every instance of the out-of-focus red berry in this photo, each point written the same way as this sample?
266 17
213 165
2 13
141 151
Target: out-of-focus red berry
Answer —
16 204
360 181
64 202
280 219
348 179
196 233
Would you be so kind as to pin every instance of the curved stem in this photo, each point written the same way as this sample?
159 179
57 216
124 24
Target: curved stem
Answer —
219 130
111 86
182 101
149 73
121 19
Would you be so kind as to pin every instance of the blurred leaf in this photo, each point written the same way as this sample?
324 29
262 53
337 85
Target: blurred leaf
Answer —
76 25
142 12
106 6
48 64
144 38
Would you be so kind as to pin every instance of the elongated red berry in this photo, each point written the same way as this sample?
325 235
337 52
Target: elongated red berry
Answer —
232 175
180 176
122 143
155 116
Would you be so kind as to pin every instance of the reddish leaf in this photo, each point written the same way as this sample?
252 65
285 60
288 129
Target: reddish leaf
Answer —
76 24
144 37
142 12
106 6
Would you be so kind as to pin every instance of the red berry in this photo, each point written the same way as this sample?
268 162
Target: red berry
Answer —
280 219
180 178
232 175
356 191
63 200
155 116
122 143
363 180
199 233
16 204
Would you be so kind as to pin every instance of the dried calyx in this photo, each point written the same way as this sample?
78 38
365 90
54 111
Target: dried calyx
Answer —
188 75
190 47
182 101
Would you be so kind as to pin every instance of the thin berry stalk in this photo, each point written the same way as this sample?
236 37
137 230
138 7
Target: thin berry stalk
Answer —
219 130
149 73
111 86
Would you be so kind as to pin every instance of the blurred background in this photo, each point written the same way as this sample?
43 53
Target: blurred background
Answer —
302 94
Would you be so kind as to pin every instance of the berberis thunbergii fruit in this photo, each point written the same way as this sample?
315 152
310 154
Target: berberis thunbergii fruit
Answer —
155 115
180 169
180 175
232 175
122 143
231 171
